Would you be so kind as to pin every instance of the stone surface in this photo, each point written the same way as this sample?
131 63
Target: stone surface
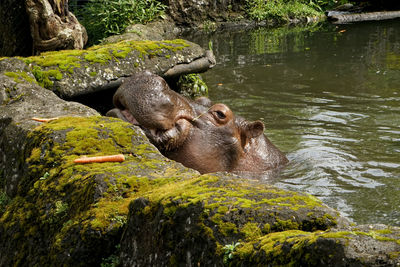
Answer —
20 101
164 29
72 73
198 12
147 210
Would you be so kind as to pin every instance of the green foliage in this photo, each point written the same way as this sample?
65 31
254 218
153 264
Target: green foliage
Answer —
281 10
326 4
45 176
112 260
103 18
228 252
192 85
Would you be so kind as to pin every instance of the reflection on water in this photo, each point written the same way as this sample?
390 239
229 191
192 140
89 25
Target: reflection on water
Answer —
330 98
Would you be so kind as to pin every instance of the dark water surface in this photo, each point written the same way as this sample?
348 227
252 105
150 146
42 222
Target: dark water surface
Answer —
330 98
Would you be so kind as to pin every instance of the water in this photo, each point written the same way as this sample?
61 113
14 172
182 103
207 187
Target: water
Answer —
330 98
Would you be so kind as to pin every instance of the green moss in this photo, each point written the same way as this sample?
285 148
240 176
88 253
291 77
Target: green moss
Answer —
281 225
100 55
384 231
20 76
251 231
93 73
46 78
267 228
12 95
271 244
122 52
222 209
228 228
394 255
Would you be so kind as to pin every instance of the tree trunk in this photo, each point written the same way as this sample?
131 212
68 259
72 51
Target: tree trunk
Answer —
53 27
338 17
15 38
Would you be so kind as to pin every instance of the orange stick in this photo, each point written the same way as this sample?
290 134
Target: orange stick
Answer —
111 158
44 119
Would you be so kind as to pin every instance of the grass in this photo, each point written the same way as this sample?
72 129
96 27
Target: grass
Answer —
103 18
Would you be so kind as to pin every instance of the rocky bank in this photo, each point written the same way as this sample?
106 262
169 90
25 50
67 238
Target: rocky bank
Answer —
147 210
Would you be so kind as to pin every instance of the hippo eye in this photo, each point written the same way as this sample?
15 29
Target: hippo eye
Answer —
220 114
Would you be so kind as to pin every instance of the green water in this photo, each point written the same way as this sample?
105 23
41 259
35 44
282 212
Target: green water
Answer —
330 98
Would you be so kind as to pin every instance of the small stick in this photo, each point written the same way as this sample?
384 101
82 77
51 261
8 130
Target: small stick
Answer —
44 119
198 117
111 158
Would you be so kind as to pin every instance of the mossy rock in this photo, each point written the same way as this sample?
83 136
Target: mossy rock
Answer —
71 211
192 220
75 213
70 73
367 245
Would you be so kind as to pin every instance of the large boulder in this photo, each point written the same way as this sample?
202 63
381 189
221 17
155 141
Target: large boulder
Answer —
161 29
146 210
22 99
71 73
75 214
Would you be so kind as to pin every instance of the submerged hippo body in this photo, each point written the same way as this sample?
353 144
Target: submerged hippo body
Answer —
200 135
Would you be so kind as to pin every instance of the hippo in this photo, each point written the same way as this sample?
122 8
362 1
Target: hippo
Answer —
204 136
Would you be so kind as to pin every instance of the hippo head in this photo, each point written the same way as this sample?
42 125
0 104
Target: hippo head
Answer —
200 135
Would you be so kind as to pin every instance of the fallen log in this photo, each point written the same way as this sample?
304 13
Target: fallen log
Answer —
199 65
345 17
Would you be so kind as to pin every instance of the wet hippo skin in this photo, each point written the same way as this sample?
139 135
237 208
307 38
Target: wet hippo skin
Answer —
200 135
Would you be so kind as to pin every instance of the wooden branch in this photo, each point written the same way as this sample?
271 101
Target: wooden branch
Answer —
199 65
340 17
53 27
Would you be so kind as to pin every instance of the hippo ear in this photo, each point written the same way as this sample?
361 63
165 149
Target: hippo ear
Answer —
250 130
254 129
